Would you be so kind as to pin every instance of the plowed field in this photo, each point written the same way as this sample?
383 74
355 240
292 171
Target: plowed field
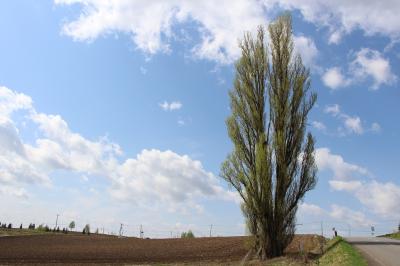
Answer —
70 249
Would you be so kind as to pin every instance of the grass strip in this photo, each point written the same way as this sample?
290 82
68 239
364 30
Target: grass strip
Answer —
341 253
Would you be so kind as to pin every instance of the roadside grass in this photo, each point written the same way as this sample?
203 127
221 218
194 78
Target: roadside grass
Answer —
394 235
341 253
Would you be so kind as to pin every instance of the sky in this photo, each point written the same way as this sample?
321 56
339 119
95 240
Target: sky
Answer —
114 112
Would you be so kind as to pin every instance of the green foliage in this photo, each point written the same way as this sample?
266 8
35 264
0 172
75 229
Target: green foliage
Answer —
341 253
71 225
188 234
86 229
272 165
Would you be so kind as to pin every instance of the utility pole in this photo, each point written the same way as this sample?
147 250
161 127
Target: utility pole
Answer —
211 226
322 228
57 220
141 232
120 230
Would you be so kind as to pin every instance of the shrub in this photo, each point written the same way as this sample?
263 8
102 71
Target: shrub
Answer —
188 234
9 226
86 229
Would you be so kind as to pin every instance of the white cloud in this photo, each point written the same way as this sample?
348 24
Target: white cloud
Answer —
333 109
342 17
353 124
11 101
318 125
165 177
355 218
154 177
382 198
370 63
334 79
306 209
166 106
345 185
181 122
375 127
306 47
379 197
342 170
367 63
152 25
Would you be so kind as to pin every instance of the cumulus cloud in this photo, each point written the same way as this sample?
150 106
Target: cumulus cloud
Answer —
341 169
166 106
379 197
333 109
334 79
306 47
318 125
370 63
367 64
355 218
154 177
352 124
153 25
164 176
342 17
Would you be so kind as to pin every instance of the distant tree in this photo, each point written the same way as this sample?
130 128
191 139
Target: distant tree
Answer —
272 164
71 225
398 228
86 229
188 234
58 229
20 227
9 226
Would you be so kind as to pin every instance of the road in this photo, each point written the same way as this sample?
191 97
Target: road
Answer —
378 251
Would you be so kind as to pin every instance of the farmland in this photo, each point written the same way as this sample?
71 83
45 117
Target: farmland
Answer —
102 249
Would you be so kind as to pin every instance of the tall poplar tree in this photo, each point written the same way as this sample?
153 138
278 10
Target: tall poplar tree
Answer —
272 165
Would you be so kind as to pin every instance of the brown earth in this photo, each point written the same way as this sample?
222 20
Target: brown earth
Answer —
56 248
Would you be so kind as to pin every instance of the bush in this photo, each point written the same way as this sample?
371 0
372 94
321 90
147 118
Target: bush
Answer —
9 226
188 234
86 229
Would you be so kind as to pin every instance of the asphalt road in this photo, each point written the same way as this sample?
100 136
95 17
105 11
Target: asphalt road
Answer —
378 251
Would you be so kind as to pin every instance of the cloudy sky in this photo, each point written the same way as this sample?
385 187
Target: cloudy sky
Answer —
114 112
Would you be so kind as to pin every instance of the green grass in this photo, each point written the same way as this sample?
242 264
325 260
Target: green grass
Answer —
394 235
341 253
20 232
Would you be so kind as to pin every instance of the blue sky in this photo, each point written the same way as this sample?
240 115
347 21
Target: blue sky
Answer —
114 112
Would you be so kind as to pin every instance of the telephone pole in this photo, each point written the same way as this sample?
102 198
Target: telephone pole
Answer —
211 226
57 220
141 232
322 228
120 230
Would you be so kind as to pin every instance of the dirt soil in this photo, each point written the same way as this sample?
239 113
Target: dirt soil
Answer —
77 249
